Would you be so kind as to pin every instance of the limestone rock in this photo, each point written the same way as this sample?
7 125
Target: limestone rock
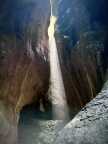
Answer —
91 123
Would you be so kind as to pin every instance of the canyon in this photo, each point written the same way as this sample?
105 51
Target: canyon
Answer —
81 38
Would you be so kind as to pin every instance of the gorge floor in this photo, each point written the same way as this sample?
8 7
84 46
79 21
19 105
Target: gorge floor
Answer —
36 127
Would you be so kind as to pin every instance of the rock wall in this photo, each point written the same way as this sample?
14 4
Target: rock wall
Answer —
82 42
76 17
83 67
81 35
24 68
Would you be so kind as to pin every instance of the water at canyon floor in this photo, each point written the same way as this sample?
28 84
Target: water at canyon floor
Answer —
36 127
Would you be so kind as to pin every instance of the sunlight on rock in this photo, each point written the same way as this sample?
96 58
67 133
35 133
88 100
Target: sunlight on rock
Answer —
51 27
60 108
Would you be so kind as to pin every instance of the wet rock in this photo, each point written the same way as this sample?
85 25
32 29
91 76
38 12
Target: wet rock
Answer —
83 67
39 131
24 68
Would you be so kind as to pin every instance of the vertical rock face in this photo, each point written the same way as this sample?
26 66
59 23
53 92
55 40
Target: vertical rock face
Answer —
75 17
24 68
81 34
84 68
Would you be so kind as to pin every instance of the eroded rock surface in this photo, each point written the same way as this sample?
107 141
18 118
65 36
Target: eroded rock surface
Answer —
83 67
24 68
90 126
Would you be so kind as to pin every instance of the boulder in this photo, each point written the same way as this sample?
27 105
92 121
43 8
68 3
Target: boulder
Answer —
90 125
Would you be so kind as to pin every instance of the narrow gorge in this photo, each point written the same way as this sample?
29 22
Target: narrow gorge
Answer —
53 72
